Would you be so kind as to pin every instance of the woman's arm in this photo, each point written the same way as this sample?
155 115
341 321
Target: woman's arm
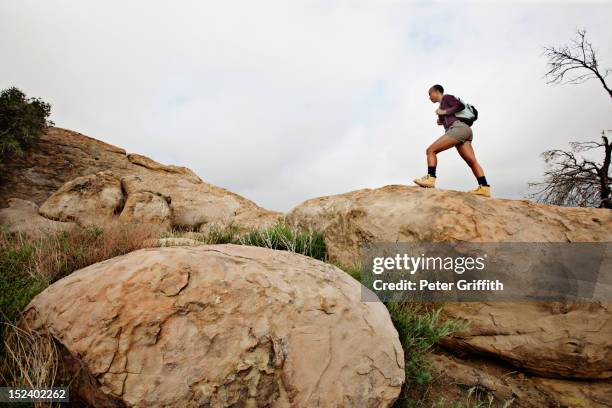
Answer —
453 105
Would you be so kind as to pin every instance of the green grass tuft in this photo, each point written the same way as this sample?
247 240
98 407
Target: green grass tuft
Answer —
280 236
420 328
18 286
284 237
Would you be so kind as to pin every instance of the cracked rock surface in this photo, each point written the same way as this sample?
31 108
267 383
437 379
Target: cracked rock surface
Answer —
552 339
222 325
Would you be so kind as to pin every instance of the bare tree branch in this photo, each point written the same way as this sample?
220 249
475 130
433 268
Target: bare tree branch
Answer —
575 64
573 181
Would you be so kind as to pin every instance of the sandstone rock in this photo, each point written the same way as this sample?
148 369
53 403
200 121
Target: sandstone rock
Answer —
93 199
471 375
409 214
195 205
192 204
177 241
223 325
59 156
575 393
147 207
153 165
549 339
522 390
63 155
22 216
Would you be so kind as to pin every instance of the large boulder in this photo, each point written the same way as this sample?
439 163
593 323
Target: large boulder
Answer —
93 199
196 204
149 208
222 325
21 216
550 339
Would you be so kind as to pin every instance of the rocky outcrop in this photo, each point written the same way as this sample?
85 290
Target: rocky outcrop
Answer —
62 174
144 161
93 199
550 340
21 216
412 214
59 156
222 325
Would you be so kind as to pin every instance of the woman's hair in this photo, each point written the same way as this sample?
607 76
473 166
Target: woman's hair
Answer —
437 87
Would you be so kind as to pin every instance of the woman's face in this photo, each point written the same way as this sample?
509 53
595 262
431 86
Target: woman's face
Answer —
435 96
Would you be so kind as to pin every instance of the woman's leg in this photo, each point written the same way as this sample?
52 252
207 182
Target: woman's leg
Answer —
443 143
467 153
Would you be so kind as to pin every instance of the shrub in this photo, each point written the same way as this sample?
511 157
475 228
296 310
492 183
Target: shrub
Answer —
22 121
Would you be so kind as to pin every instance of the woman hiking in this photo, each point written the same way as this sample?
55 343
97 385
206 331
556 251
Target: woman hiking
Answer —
458 135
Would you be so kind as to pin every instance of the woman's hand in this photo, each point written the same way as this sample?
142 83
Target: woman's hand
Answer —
440 111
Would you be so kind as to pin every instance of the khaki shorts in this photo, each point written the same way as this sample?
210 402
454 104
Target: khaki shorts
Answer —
459 131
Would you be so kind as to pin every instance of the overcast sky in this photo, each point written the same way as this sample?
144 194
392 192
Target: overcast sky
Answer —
281 101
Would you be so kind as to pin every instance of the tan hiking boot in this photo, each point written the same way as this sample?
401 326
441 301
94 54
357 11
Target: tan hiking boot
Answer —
484 191
426 181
